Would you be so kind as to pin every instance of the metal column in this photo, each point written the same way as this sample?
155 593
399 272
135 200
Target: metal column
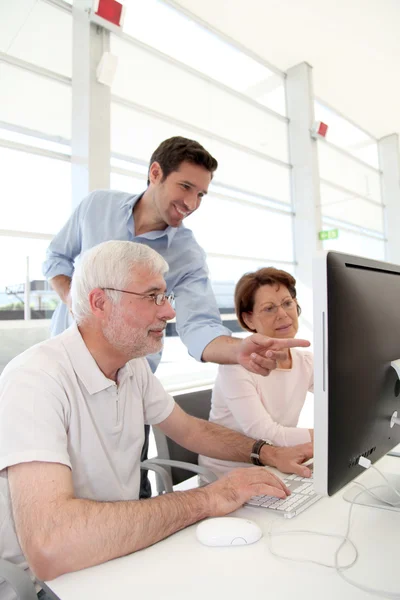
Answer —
90 106
389 162
305 178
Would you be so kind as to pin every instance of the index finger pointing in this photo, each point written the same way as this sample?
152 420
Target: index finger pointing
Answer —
290 343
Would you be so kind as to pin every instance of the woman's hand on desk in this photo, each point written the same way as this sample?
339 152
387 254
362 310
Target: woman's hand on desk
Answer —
288 459
234 489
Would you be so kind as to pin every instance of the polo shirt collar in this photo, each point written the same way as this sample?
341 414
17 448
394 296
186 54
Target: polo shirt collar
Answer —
84 364
169 233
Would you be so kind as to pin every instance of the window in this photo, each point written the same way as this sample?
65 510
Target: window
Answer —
336 168
156 84
345 135
230 227
38 33
35 191
24 259
135 133
169 31
127 183
345 206
46 108
355 242
350 187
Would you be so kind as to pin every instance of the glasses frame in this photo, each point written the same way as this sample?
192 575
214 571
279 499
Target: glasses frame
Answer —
158 299
275 307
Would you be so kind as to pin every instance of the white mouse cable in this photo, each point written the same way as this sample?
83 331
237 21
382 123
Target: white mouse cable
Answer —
381 593
345 539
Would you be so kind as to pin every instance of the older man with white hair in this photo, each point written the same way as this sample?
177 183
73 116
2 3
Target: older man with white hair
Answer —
72 415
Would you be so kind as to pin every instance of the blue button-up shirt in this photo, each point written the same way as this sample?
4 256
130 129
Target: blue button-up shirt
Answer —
108 215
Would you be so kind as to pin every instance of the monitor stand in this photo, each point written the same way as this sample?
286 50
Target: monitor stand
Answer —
383 491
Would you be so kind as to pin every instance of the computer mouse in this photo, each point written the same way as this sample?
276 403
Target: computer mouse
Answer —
228 531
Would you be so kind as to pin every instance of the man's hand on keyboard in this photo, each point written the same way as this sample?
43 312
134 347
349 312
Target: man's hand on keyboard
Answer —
234 489
288 459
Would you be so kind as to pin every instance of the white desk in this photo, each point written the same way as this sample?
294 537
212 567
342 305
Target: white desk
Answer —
181 568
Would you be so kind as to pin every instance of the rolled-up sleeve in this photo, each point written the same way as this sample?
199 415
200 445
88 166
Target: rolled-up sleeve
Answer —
66 245
198 321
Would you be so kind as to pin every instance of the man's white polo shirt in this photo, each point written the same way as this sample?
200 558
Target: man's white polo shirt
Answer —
57 406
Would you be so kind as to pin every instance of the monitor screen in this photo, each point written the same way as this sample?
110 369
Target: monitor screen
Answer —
357 389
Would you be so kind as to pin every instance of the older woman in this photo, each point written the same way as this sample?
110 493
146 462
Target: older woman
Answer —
264 407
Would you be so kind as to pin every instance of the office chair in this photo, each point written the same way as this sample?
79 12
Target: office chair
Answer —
179 462
18 579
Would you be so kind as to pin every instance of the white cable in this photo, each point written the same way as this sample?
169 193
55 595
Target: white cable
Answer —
345 538
339 570
308 560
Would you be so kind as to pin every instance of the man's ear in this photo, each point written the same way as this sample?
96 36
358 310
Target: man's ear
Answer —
248 319
155 172
97 300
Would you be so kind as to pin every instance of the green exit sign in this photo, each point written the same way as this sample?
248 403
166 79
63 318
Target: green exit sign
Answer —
331 234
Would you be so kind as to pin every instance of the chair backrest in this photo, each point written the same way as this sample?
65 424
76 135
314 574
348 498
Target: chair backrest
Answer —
19 581
197 404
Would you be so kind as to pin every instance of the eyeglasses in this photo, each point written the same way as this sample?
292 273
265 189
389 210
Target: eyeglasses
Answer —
287 306
158 299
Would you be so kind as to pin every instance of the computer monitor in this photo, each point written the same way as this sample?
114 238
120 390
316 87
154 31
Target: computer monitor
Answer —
357 378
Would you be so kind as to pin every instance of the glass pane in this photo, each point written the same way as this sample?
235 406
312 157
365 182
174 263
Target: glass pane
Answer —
357 244
229 227
128 165
178 370
31 140
339 205
13 275
342 170
235 194
38 33
186 97
35 192
137 134
166 29
125 183
226 272
348 136
45 108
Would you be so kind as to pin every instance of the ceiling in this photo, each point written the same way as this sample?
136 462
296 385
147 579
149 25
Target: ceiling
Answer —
352 45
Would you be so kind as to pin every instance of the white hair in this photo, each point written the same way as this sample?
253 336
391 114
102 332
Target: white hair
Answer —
109 264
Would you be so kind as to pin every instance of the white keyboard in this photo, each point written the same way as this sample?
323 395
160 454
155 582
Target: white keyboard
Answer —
302 497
